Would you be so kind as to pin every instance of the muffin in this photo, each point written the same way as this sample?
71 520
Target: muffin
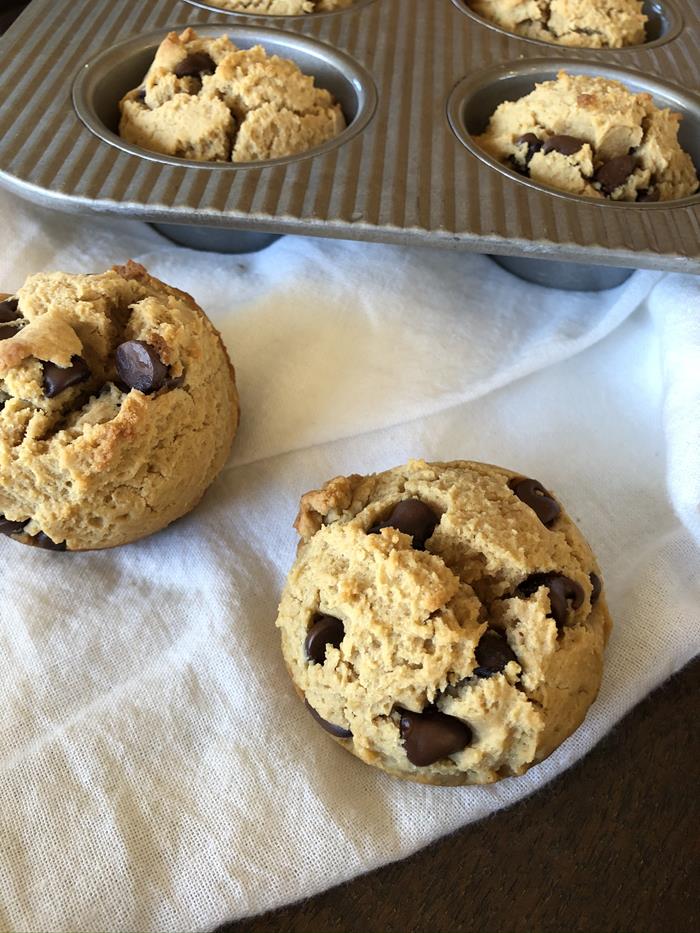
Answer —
282 7
444 622
594 137
593 24
206 100
118 406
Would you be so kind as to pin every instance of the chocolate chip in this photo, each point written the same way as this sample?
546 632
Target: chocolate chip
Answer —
519 167
9 311
566 145
615 173
432 735
7 331
197 63
141 94
326 630
532 493
597 585
412 517
562 590
534 144
337 731
8 527
139 366
42 540
492 653
57 379
648 195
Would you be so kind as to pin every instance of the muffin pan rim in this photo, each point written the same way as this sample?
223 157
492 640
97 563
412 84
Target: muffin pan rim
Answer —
677 24
545 69
95 69
276 17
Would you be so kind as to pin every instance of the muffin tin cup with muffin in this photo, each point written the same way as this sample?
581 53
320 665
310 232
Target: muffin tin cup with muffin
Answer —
664 22
476 97
286 18
105 79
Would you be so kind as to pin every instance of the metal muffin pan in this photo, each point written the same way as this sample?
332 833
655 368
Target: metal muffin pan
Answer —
664 22
403 177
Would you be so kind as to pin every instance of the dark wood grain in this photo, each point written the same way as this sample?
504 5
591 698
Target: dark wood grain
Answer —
611 845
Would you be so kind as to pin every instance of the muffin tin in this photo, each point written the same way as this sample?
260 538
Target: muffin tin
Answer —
414 78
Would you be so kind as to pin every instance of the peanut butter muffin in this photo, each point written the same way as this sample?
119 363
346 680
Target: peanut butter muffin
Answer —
592 136
118 406
205 99
594 24
445 622
282 7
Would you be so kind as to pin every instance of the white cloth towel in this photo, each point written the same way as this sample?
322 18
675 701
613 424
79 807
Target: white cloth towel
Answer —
157 771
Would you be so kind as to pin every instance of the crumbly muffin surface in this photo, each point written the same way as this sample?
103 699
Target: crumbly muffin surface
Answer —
591 24
443 621
592 136
282 7
118 406
206 100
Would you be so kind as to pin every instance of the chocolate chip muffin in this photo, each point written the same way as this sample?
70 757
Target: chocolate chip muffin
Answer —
593 24
206 100
444 622
594 137
282 7
118 406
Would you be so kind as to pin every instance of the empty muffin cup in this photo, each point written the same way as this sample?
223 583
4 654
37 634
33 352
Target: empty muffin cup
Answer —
664 22
213 8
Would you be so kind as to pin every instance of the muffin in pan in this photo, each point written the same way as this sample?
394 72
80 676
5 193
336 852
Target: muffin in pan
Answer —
592 136
593 24
206 100
282 7
445 622
118 407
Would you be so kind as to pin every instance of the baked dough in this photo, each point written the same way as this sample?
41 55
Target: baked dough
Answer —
282 7
482 625
592 136
593 24
206 100
86 459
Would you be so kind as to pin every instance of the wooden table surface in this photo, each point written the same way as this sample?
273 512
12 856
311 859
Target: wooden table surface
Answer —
611 845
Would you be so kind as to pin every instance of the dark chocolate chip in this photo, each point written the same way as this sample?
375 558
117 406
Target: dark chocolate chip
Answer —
519 167
597 585
7 331
139 366
196 64
567 145
337 731
492 653
326 630
615 172
562 590
9 311
432 735
533 143
57 379
48 544
141 94
8 527
648 195
412 517
532 493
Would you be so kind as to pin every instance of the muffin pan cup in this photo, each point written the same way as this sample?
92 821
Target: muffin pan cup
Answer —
400 173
